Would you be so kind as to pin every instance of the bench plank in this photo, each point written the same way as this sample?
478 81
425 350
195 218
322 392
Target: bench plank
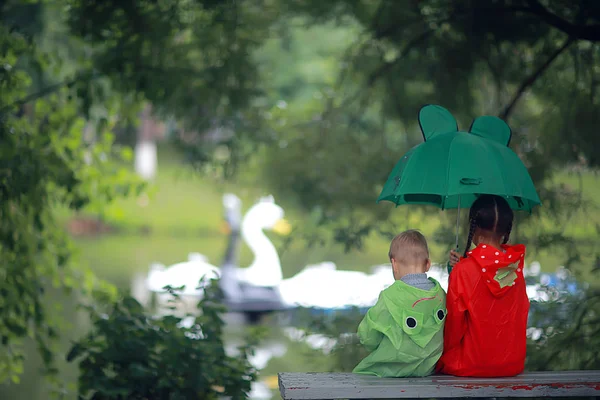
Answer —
318 386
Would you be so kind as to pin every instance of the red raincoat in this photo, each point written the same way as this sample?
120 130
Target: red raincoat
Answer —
486 321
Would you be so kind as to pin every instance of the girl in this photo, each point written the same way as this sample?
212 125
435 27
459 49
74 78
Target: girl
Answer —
487 305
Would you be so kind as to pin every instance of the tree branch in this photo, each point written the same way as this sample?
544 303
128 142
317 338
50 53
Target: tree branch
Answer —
532 78
375 75
386 66
383 69
377 16
92 75
583 32
42 93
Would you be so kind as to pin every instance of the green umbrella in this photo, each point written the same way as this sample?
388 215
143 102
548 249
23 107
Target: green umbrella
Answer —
451 168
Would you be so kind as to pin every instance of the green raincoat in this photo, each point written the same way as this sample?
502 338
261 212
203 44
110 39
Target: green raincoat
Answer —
404 331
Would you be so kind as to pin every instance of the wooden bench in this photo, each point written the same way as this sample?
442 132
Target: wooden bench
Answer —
321 386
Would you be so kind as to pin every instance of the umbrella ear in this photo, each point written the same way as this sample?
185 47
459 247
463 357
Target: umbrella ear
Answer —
435 119
492 128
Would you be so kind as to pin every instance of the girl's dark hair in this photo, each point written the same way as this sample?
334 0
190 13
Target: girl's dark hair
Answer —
490 213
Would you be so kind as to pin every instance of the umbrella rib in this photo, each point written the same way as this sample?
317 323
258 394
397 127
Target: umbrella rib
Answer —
447 180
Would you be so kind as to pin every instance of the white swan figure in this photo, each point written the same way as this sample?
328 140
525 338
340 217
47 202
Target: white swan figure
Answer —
324 286
186 273
264 271
381 277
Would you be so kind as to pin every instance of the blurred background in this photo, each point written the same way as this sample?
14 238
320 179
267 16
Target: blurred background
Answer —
124 125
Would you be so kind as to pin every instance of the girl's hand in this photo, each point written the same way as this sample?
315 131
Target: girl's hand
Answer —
454 258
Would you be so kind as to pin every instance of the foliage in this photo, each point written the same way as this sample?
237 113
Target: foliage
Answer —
569 331
539 74
44 161
192 60
57 90
340 329
346 90
335 105
314 157
131 355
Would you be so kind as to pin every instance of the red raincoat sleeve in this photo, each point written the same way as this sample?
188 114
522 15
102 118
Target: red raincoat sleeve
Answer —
455 326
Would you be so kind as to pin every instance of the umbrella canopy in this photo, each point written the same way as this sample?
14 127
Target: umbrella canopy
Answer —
451 168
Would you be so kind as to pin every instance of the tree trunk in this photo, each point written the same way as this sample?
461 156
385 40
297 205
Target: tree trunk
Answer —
145 148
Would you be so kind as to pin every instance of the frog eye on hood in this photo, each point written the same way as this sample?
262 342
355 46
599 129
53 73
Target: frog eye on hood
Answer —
411 322
439 315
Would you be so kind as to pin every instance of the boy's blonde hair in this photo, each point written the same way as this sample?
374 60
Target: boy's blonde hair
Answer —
409 248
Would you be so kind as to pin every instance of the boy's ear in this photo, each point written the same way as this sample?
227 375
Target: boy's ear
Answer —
394 267
434 119
427 265
492 128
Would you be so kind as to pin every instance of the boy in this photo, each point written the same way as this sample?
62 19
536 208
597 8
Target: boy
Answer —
404 331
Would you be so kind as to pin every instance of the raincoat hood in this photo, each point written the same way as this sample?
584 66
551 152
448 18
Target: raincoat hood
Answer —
500 268
419 312
403 331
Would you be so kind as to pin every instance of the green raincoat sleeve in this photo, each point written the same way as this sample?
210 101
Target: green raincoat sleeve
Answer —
369 331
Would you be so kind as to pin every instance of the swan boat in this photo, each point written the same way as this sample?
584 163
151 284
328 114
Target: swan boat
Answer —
253 290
